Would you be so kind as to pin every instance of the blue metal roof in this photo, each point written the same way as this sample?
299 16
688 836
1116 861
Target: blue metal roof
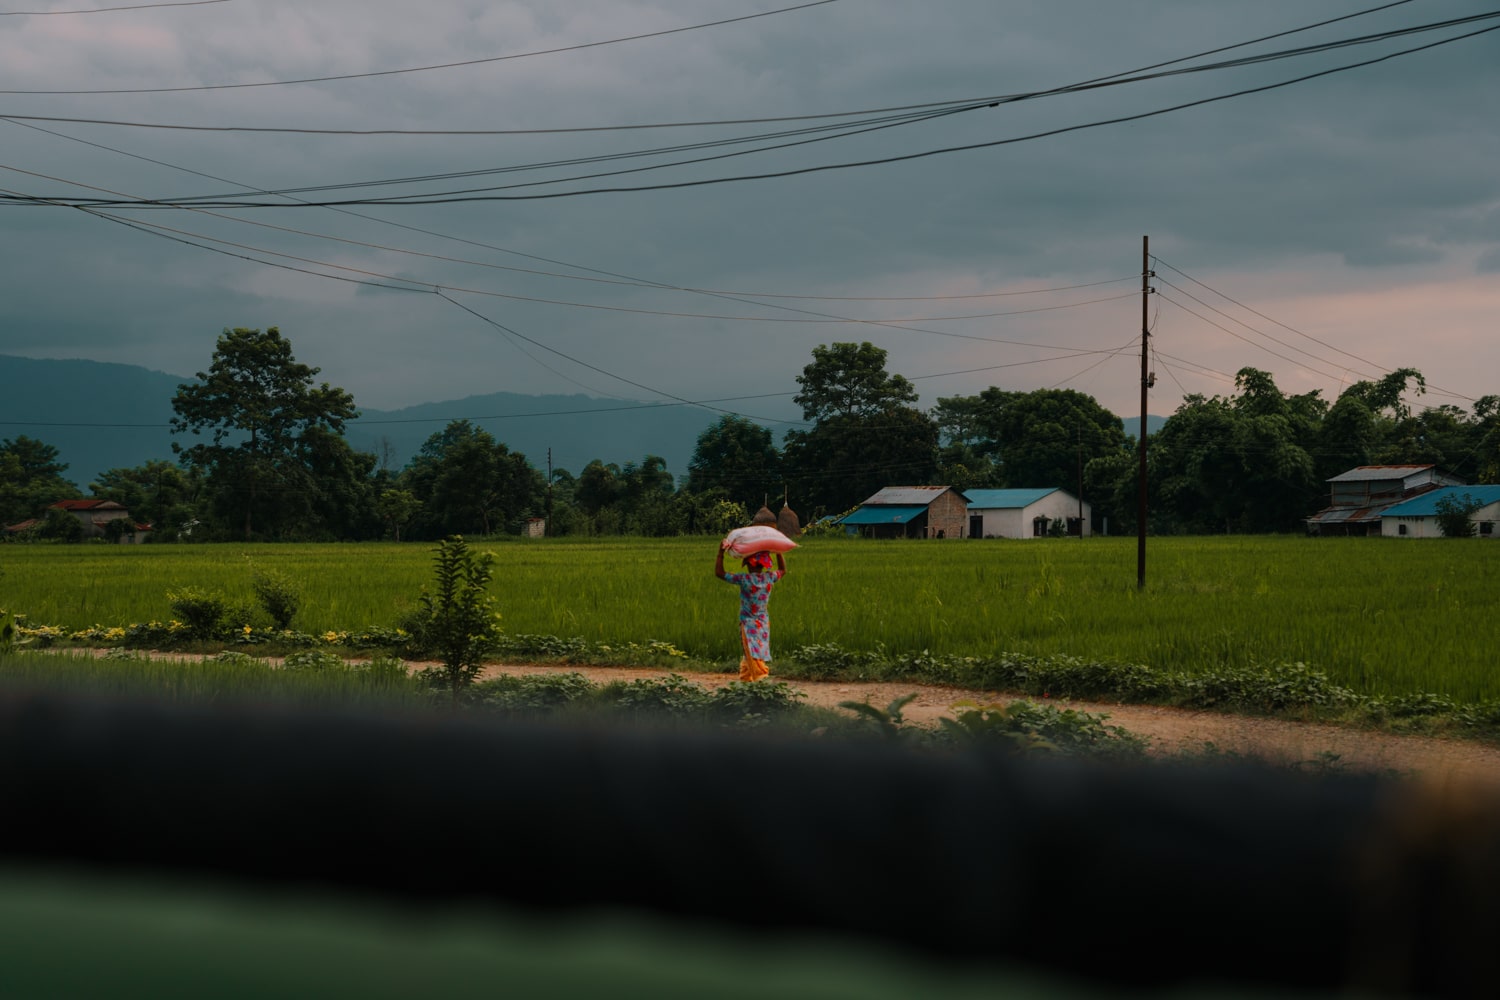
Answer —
1426 504
1005 499
890 514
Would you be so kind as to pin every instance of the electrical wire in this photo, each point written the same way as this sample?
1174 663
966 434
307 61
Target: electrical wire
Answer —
442 294
1113 79
1237 336
611 279
108 10
481 194
438 66
1276 340
1378 367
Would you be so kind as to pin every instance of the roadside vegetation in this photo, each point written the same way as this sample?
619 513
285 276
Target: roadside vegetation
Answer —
1369 632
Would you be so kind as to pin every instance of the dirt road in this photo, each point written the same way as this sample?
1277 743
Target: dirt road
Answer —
1169 730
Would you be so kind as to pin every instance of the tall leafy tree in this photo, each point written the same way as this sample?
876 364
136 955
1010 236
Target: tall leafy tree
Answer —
738 457
1045 437
466 482
865 433
850 380
256 402
31 477
1237 464
1487 439
845 459
962 460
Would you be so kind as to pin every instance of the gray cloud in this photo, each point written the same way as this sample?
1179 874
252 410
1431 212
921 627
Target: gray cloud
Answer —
1383 174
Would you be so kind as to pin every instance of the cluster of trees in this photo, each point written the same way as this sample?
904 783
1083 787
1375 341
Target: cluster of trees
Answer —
1259 460
266 459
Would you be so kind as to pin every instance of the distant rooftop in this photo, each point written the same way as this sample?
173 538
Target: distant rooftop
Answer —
1426 504
1365 472
1006 499
904 495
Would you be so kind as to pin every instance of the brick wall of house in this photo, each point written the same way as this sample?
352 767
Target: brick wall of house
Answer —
948 514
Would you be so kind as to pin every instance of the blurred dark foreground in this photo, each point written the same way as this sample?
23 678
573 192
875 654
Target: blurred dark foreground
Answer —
164 851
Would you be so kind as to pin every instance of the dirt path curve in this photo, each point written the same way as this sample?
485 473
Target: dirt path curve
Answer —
1169 730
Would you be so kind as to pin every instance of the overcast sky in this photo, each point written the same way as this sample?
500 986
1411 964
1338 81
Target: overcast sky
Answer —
1327 231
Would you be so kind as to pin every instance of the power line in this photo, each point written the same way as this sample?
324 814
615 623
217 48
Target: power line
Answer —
1378 367
393 281
612 279
425 69
1237 336
480 195
1114 79
442 294
107 10
1268 319
1247 326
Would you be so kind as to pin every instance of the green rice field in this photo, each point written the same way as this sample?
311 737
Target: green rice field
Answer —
1383 616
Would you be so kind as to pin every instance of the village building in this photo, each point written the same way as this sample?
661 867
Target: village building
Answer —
97 517
911 512
1358 498
1031 513
1418 517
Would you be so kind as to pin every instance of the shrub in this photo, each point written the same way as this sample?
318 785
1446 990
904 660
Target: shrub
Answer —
201 611
1026 727
277 595
752 702
532 693
458 622
1452 515
314 659
674 696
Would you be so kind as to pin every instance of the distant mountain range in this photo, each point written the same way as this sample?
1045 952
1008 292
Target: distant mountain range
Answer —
102 416
1133 425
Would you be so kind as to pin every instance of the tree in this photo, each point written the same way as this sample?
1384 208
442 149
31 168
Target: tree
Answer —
1044 437
961 461
30 479
258 403
850 380
159 493
1237 464
737 456
865 435
846 459
395 507
1487 439
467 482
1453 513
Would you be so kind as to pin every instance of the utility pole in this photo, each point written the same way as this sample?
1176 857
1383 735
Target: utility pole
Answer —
547 524
1080 482
1146 379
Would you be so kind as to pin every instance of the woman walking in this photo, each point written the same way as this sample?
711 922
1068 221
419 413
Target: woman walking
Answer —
755 618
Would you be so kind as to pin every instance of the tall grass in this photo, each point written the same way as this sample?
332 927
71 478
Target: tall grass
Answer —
200 682
1384 616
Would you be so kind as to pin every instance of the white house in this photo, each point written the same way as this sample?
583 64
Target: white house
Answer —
1026 513
1417 518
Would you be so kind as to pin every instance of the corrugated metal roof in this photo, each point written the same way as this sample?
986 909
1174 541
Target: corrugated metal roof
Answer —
1365 472
1334 515
1006 499
1426 504
888 514
87 505
904 495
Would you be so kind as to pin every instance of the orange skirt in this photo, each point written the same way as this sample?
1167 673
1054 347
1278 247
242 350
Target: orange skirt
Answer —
751 669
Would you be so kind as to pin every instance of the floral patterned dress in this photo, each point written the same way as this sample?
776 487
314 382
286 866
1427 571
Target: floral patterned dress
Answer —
755 619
